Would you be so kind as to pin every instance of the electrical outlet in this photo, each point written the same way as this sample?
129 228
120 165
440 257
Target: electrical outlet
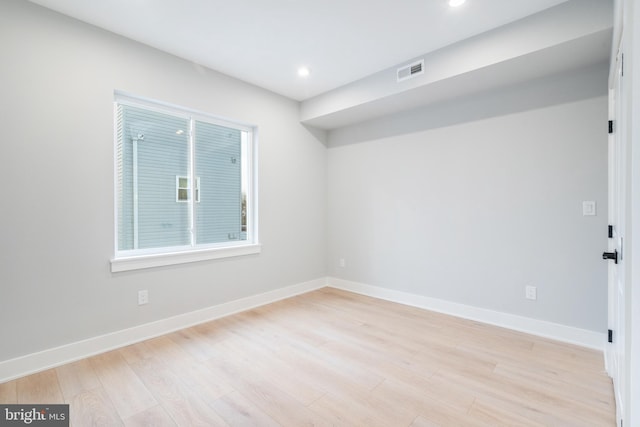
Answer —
342 263
589 208
531 292
143 297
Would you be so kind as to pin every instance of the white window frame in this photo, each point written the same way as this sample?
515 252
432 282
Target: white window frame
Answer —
188 188
156 257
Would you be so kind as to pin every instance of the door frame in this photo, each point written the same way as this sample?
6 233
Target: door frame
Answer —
615 351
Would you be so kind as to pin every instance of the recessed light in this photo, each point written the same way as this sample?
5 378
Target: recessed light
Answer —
304 71
456 3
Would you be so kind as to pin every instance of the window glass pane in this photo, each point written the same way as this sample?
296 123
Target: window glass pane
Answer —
218 167
150 155
183 182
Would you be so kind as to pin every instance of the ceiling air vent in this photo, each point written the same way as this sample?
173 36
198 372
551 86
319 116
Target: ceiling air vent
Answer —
410 71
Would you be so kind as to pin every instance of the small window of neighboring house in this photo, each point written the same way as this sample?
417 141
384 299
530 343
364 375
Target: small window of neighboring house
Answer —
183 188
162 153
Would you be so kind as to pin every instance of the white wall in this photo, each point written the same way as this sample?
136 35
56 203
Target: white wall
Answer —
57 78
472 212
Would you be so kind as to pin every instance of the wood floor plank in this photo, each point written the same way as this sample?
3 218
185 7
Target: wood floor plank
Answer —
183 404
238 411
76 378
377 361
361 411
279 405
136 352
420 421
444 415
293 351
9 392
543 370
530 411
155 416
93 408
569 357
165 349
504 389
499 416
194 343
122 385
258 362
554 397
598 400
413 398
193 373
333 358
42 387
308 330
269 397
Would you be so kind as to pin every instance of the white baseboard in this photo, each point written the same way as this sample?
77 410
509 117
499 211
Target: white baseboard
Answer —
568 334
50 358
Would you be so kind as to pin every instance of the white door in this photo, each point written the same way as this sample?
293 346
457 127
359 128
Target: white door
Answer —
617 162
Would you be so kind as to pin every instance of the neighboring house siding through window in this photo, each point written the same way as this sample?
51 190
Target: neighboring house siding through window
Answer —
162 159
153 155
218 166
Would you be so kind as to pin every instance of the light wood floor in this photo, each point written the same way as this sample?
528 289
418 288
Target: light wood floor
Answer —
332 358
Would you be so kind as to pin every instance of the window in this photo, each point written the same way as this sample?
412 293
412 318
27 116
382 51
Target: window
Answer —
184 185
183 188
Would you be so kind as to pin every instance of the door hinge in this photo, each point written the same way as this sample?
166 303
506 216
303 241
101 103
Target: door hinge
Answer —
610 232
610 126
610 336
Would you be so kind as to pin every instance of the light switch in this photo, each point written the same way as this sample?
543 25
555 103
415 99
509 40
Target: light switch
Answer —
589 208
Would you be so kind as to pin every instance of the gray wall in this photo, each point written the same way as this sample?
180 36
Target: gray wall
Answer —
57 78
470 212
473 212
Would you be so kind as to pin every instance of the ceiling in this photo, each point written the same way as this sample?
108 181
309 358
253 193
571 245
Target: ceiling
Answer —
263 42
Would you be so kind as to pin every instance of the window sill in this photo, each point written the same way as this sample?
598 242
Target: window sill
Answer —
158 260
